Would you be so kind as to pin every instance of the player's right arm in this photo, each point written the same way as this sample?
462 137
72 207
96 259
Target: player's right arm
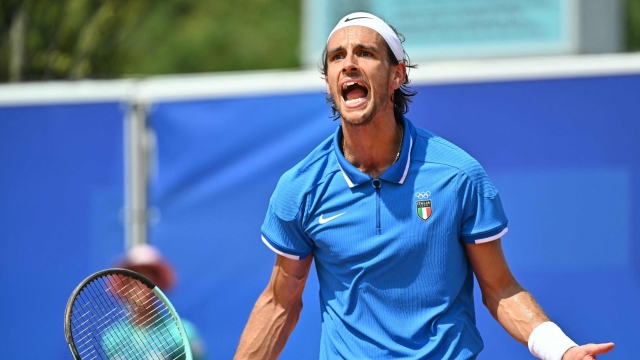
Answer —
276 312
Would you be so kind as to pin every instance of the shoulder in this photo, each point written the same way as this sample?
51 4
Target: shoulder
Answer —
298 181
434 149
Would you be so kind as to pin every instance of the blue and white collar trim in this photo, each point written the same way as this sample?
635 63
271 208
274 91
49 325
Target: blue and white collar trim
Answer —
396 173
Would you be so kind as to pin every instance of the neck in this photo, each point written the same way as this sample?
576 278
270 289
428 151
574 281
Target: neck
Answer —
374 147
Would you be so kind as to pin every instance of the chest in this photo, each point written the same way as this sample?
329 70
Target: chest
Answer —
380 220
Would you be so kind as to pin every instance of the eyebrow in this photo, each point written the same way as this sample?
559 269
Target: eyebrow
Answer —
336 49
367 47
361 46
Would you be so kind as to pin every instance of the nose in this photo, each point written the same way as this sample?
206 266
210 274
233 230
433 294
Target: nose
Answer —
350 63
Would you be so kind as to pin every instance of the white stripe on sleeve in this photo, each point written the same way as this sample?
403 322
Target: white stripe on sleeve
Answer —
289 256
494 237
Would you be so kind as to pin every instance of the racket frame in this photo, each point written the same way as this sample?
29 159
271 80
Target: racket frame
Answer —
115 271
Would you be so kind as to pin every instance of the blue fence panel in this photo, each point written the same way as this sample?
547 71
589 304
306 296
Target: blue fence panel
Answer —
61 189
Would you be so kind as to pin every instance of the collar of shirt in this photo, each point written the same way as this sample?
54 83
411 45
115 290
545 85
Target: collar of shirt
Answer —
396 173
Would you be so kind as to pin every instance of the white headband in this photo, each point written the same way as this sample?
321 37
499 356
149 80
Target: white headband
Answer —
375 23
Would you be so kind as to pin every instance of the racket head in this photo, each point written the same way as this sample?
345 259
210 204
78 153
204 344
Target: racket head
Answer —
119 311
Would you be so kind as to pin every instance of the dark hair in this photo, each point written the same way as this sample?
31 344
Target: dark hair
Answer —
401 96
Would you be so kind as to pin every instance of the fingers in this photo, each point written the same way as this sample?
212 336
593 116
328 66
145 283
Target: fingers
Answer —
588 351
597 349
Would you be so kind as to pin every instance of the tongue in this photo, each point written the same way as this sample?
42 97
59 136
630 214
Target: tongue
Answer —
356 94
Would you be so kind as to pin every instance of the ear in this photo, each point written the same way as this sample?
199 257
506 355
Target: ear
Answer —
398 75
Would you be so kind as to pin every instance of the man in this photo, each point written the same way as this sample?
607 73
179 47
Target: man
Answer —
398 220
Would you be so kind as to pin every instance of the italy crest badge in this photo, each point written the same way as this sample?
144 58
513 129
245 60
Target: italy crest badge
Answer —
423 209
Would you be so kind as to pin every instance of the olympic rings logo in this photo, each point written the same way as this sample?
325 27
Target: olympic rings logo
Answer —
423 194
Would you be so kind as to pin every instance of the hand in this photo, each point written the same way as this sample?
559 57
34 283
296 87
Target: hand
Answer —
587 352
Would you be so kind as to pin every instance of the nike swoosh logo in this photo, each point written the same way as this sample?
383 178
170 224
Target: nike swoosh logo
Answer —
360 17
321 220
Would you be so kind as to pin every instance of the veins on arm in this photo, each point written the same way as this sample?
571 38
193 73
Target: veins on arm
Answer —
276 311
507 301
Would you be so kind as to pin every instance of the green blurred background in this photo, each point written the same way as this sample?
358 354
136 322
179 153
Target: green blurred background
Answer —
72 39
107 39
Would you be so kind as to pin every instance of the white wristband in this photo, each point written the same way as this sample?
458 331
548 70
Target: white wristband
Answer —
548 342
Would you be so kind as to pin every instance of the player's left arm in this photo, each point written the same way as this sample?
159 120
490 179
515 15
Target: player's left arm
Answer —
510 304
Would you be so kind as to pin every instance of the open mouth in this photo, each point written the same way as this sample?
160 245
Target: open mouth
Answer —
353 93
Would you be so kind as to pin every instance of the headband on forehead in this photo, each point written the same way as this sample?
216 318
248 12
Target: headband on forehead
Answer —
375 23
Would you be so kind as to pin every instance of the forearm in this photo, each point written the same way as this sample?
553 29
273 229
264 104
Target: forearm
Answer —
516 310
519 313
268 328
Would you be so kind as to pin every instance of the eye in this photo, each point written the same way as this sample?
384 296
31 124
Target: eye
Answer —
335 57
365 53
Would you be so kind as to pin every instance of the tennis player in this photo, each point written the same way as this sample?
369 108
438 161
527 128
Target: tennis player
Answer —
398 221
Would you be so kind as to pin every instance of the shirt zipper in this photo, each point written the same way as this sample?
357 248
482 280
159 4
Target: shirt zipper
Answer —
377 184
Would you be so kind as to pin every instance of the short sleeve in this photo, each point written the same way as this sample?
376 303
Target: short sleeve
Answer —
286 237
483 218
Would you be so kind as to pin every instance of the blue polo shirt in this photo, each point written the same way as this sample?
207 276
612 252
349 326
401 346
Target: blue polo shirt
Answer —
395 281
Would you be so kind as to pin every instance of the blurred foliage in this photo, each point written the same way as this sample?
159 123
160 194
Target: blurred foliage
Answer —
115 38
119 38
633 25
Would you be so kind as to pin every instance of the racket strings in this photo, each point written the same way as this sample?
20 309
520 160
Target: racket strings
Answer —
118 317
137 296
155 314
94 319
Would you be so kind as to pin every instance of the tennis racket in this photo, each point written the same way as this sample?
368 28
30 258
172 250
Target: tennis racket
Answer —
120 314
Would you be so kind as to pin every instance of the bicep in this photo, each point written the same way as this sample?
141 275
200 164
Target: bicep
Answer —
288 279
490 266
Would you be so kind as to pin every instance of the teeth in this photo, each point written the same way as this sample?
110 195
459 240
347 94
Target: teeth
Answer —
346 85
353 101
